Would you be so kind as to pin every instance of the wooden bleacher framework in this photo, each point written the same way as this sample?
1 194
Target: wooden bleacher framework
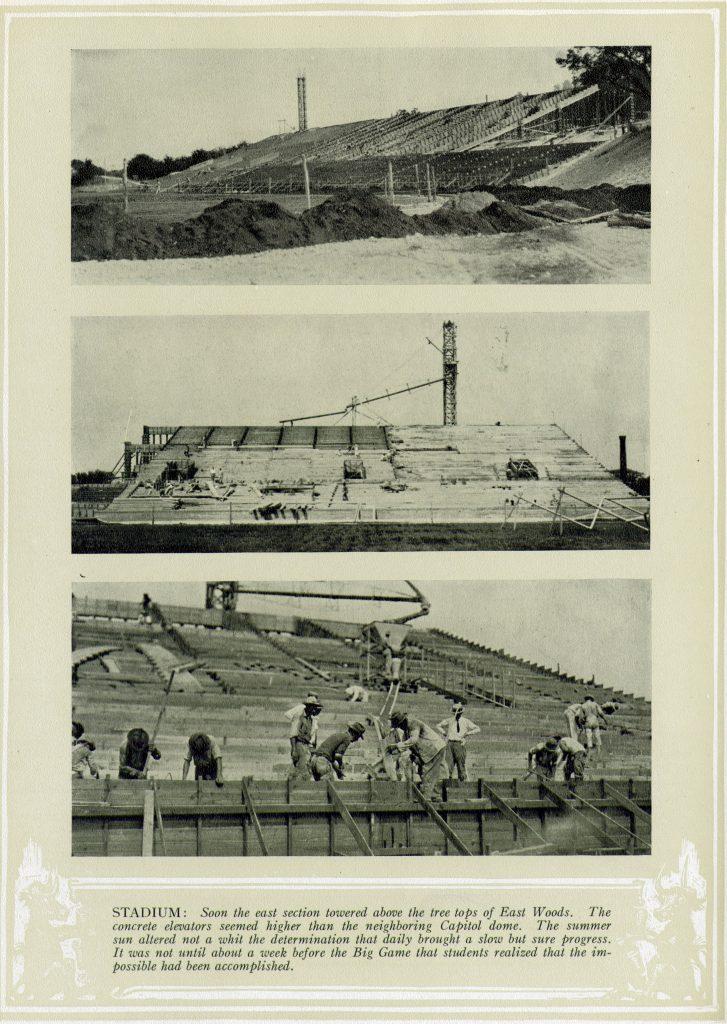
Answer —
249 668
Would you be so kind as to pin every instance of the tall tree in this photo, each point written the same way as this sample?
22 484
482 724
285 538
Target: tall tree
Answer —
626 68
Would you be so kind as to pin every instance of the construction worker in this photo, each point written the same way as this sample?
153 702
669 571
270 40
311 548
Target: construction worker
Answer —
303 736
207 759
594 718
427 748
576 719
573 756
294 713
357 694
135 753
455 730
146 607
545 756
327 758
82 754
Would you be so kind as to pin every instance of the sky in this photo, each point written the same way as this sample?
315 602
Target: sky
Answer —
586 372
170 102
583 626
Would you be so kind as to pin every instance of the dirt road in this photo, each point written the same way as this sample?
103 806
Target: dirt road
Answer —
551 254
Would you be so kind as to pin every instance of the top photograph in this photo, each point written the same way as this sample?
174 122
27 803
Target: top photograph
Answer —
513 165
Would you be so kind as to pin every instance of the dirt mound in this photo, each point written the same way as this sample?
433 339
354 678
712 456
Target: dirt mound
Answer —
596 199
494 219
102 231
352 214
235 227
572 211
470 202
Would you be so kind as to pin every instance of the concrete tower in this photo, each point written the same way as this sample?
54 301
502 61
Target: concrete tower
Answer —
302 105
449 373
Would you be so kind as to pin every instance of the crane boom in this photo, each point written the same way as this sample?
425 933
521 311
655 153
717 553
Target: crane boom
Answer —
364 401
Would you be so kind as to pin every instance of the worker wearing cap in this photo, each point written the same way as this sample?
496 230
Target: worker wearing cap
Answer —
135 753
545 756
576 719
573 756
82 754
594 718
207 758
427 748
327 758
303 736
455 730
294 713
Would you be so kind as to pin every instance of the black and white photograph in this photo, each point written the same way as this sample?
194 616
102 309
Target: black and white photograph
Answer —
333 718
366 432
510 165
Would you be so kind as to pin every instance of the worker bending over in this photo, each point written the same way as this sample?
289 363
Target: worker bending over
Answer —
426 747
134 755
327 758
357 694
543 758
303 735
82 754
207 758
573 757
455 730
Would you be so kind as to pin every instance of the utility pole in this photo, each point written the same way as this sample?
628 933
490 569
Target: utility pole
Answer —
449 373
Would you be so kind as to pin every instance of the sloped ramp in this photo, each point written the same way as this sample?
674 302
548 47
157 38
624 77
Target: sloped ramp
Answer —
84 654
165 662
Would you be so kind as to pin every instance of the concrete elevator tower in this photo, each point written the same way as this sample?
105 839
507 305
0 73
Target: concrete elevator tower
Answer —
302 105
449 373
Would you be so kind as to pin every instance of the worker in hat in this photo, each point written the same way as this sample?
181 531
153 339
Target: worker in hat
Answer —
327 758
574 758
427 748
594 719
82 758
576 719
543 757
455 730
207 758
135 753
303 735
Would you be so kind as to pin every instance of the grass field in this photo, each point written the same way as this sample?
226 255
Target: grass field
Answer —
98 538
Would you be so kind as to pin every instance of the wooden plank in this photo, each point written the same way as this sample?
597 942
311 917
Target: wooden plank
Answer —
159 819
253 816
504 808
628 805
147 835
439 821
353 828
561 801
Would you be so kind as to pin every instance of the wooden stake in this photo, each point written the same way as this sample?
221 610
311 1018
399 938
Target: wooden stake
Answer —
306 182
126 188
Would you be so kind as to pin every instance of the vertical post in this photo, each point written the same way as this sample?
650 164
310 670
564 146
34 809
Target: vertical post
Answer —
429 184
270 186
416 178
127 459
125 179
391 183
147 834
623 461
306 182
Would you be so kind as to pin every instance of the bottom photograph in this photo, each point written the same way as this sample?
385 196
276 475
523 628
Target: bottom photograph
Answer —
329 718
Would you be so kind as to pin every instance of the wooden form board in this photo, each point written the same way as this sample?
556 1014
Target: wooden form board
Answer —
300 820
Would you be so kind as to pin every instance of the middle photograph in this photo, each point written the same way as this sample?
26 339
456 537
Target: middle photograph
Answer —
349 432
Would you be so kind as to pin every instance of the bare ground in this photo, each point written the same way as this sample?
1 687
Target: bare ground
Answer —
551 254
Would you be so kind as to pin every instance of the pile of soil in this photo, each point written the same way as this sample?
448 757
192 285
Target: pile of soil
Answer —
234 227
352 214
101 231
596 199
571 211
493 219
